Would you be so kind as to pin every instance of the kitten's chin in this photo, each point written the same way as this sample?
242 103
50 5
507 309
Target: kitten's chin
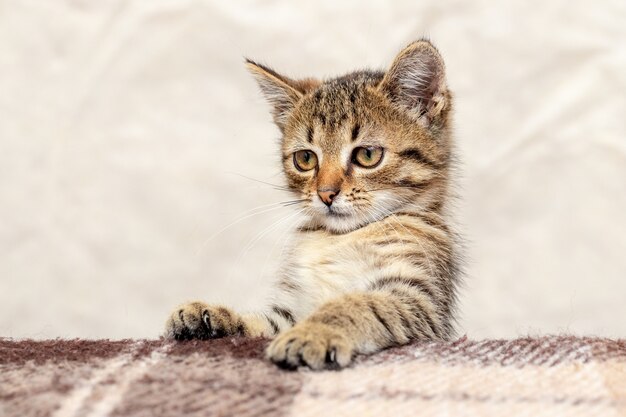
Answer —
340 223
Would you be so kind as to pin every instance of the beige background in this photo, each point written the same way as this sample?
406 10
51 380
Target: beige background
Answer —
126 127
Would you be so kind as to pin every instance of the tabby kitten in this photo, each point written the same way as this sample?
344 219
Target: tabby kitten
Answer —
374 265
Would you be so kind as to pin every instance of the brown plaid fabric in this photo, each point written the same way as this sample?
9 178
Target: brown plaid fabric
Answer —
548 376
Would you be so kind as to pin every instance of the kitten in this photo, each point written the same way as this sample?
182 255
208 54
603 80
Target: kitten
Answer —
374 265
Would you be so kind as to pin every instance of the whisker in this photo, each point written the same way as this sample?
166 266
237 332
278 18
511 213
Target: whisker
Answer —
377 223
413 187
252 212
392 216
284 238
293 202
276 186
264 232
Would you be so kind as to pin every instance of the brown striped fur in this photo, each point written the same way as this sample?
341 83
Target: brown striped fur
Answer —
378 266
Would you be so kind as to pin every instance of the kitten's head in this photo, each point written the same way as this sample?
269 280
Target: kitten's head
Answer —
360 147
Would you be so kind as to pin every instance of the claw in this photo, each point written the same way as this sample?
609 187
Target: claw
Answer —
331 359
208 329
205 318
331 356
301 361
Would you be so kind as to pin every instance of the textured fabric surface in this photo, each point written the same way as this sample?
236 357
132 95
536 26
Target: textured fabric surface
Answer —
124 124
550 376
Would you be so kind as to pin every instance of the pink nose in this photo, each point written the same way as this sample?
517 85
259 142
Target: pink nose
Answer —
327 196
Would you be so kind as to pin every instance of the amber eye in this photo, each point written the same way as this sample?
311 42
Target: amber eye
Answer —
367 157
305 160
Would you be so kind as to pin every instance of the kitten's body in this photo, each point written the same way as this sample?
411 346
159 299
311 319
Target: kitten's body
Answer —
374 265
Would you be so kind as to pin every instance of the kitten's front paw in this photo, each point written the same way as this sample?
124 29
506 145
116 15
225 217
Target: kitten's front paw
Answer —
316 345
198 320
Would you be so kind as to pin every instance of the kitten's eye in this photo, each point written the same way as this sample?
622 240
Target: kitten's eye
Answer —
305 160
367 157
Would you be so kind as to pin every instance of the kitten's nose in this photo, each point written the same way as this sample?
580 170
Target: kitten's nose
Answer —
327 195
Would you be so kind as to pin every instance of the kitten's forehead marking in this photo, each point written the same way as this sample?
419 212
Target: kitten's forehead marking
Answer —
333 118
338 100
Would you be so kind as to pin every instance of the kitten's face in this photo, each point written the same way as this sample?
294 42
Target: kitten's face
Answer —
350 162
354 149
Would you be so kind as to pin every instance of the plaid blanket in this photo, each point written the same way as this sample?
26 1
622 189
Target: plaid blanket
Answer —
549 376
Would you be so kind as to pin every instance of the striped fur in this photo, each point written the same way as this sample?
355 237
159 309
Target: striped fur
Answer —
378 267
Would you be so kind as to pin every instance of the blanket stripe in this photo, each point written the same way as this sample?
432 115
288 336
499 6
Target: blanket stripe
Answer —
557 375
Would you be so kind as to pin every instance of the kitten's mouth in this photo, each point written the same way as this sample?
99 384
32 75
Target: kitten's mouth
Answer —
334 213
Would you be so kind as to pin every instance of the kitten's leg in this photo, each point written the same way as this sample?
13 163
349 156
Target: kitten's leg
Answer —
198 320
358 323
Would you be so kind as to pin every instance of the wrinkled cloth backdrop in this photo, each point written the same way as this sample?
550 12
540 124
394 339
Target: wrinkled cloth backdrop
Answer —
126 130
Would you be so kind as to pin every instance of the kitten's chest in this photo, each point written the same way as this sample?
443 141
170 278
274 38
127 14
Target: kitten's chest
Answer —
322 266
332 264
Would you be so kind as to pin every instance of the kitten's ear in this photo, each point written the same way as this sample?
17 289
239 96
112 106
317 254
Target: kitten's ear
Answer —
416 83
281 92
